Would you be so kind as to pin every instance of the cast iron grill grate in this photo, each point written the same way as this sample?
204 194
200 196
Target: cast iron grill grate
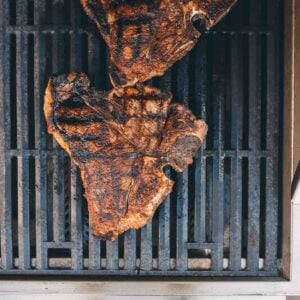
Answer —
223 217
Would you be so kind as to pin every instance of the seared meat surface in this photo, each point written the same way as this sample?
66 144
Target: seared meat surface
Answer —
121 140
146 37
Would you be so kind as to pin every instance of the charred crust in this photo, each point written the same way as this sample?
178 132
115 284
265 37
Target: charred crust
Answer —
122 175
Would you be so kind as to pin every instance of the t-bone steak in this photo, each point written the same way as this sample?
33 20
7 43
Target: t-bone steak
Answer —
146 37
121 140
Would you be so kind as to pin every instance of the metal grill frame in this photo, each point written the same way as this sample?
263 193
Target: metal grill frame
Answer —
75 249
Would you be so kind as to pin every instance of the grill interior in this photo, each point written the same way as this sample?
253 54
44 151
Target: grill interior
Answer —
224 215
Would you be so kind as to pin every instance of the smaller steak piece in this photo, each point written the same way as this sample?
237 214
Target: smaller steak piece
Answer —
147 37
121 140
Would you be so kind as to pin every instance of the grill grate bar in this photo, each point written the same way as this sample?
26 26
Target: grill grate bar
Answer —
182 213
40 141
4 14
182 180
76 190
58 161
164 209
76 219
197 245
254 167
235 250
65 263
58 198
21 12
94 252
22 139
58 245
94 243
171 275
205 262
164 233
254 163
218 86
39 13
206 153
130 250
5 182
272 172
91 29
146 247
200 163
112 255
112 248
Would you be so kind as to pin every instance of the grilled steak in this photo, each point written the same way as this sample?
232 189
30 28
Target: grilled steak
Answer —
146 37
121 140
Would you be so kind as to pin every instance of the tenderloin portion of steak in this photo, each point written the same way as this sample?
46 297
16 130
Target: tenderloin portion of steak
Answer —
146 37
121 141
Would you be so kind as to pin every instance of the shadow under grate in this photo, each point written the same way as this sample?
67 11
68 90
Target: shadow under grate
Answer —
223 217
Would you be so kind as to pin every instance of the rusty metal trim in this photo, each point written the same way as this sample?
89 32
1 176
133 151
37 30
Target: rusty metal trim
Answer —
291 123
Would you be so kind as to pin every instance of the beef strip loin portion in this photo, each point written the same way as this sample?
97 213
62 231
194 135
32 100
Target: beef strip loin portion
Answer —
146 37
121 140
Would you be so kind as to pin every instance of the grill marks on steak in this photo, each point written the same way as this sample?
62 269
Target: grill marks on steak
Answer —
147 37
121 140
